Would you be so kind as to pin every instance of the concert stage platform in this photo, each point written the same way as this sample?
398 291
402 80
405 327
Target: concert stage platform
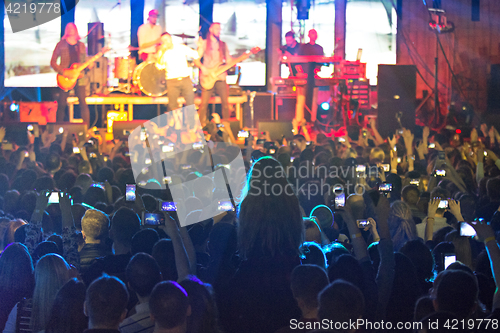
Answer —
130 101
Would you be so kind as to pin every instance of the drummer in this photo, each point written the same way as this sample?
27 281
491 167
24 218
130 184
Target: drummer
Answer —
174 59
148 35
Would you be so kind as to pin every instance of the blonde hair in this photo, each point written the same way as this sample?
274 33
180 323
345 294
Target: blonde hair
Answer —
51 273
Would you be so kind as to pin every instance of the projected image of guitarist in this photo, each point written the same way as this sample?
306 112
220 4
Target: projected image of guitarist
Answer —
214 52
70 70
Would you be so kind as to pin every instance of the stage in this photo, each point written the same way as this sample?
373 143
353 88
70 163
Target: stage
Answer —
123 100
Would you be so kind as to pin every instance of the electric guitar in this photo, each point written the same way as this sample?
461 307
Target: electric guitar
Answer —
207 80
67 80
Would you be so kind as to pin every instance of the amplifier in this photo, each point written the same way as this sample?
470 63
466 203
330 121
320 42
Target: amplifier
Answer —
359 89
38 112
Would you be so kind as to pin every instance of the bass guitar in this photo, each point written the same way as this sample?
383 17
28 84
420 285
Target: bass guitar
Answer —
67 80
207 80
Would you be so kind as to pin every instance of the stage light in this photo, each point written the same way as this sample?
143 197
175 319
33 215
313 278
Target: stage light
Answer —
14 107
325 106
30 128
458 131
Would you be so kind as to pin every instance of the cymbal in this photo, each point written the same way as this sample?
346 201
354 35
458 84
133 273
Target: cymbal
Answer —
183 36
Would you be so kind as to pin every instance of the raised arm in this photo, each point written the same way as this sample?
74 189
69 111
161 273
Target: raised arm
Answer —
181 257
486 234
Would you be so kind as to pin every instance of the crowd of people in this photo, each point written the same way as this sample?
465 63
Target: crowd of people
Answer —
337 234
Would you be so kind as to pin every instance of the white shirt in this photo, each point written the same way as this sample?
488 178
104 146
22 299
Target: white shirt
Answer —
175 61
439 223
139 322
148 33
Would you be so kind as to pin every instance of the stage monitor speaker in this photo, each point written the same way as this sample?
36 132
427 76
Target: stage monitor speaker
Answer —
122 129
397 86
494 89
276 129
263 109
95 38
285 107
40 113
79 130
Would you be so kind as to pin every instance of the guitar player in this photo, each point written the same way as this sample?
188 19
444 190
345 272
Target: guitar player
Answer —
214 52
71 51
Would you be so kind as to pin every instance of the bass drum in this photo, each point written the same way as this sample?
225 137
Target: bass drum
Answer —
150 80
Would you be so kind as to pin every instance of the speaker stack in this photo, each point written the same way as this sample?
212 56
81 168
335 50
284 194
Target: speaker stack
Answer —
397 85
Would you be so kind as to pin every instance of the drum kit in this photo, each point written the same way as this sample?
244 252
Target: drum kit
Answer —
144 78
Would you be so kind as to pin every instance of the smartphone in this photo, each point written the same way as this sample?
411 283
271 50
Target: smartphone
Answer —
198 145
386 167
362 223
431 145
485 153
61 130
341 139
167 148
93 155
220 125
185 167
364 134
225 206
7 146
292 158
54 198
30 128
467 230
243 134
360 168
105 158
167 180
400 132
340 201
399 159
441 173
415 182
385 187
26 154
147 160
167 206
130 192
448 259
100 185
441 155
395 148
152 219
272 151
443 204
76 150
268 144
261 141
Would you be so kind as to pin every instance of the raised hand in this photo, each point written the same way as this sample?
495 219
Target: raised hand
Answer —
433 207
473 135
455 209
64 201
42 200
425 132
484 129
483 230
491 155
